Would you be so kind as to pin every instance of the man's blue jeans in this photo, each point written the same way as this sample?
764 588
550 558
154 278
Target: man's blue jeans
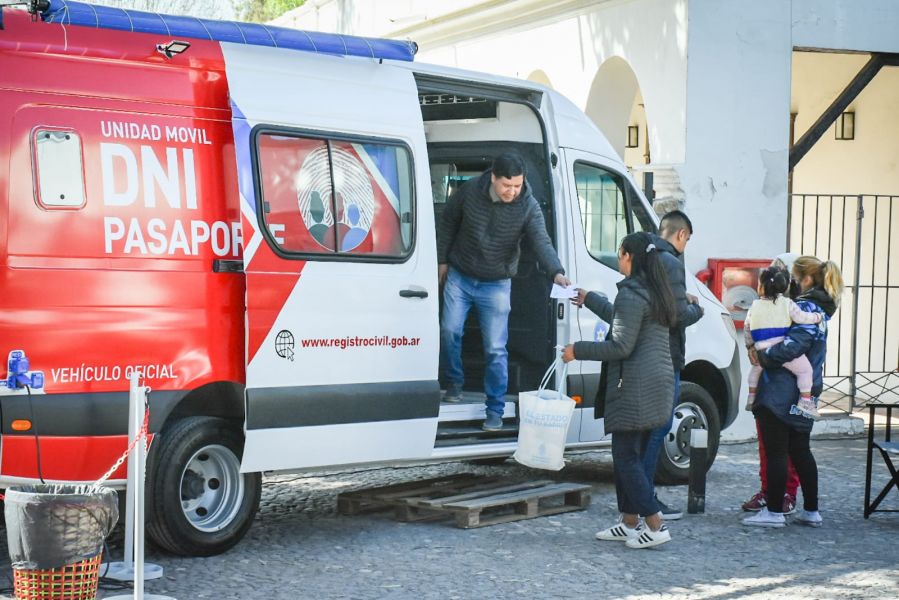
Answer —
493 302
657 437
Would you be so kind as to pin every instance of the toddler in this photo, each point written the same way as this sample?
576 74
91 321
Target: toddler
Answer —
767 323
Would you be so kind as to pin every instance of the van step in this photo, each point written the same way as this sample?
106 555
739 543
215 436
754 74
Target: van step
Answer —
472 408
475 430
471 500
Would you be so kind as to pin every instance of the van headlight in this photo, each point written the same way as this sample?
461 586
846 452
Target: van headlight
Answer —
729 324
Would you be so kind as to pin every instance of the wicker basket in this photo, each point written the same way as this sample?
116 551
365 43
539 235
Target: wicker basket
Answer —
77 581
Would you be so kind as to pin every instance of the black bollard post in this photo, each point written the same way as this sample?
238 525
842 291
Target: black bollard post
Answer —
699 459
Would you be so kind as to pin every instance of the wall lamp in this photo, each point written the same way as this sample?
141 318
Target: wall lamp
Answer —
845 129
633 136
172 48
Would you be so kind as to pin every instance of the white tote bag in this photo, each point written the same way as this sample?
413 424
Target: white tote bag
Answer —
543 418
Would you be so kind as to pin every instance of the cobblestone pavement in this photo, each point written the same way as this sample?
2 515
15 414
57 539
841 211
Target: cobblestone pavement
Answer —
299 548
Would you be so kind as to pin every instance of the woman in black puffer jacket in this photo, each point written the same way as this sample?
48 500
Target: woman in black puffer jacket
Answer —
637 381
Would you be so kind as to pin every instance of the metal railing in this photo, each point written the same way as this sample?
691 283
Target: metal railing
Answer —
861 234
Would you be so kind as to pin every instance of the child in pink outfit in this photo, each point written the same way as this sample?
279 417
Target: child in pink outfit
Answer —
767 323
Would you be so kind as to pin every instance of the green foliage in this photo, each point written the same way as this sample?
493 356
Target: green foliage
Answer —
260 11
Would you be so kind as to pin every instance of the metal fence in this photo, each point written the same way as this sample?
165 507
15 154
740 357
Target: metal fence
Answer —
861 234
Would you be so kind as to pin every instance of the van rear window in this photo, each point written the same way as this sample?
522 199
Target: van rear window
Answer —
331 197
59 172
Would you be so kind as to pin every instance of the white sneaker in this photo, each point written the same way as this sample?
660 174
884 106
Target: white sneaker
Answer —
763 518
811 518
649 538
619 532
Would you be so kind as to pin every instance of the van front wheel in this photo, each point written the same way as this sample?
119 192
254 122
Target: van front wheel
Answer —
198 501
695 410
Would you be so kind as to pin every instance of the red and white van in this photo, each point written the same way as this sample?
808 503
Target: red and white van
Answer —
253 228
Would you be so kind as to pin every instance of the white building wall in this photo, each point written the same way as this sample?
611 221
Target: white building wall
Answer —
864 25
735 173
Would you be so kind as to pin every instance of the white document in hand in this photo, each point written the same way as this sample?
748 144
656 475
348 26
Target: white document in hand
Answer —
561 291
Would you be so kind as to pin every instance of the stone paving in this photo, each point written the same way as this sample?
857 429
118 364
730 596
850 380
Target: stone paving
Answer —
299 548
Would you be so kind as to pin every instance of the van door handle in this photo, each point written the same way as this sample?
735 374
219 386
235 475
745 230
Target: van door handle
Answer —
414 293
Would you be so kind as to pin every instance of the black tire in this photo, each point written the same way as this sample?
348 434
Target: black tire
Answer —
198 502
695 409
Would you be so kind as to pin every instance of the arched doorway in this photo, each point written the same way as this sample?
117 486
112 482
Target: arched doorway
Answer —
540 76
615 104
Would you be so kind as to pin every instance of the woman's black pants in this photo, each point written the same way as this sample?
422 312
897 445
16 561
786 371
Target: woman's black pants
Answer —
782 441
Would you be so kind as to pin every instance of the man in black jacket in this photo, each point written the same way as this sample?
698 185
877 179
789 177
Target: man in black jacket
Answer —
675 230
478 251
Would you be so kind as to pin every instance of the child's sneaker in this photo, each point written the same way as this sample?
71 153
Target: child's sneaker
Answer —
649 538
812 518
765 519
619 532
758 501
807 407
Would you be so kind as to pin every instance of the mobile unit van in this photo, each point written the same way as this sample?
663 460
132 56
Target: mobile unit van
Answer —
246 216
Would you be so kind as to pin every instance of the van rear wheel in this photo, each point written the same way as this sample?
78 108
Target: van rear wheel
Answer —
198 501
695 410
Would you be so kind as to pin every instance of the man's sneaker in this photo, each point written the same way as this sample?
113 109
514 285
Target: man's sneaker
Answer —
812 518
807 407
619 532
649 538
668 513
493 422
765 519
789 504
453 393
756 503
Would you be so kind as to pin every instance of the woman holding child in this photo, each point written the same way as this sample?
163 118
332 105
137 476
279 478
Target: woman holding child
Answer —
636 384
785 430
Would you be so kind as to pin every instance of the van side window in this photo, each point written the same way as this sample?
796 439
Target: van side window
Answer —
59 173
336 197
640 215
601 199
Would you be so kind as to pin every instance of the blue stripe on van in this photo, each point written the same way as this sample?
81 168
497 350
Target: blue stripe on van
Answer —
108 17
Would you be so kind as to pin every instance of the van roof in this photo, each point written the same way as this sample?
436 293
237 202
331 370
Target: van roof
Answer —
66 12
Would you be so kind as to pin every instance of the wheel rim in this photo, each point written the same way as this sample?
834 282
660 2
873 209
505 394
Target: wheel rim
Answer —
687 416
211 488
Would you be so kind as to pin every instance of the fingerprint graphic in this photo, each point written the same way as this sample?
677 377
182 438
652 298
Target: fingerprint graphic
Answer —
355 197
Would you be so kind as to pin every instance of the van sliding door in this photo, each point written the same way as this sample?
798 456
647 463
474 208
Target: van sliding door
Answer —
342 300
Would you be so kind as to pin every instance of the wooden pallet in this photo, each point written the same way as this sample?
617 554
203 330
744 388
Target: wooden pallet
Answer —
392 496
471 500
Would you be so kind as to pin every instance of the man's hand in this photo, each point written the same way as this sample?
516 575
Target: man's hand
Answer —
560 279
442 271
568 353
580 298
691 299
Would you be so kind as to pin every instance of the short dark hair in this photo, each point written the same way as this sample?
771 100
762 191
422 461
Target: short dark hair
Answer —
508 165
673 222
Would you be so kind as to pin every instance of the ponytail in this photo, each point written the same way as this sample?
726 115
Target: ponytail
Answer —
773 282
824 275
646 264
833 280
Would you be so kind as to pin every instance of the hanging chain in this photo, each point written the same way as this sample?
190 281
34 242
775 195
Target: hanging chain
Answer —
141 435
